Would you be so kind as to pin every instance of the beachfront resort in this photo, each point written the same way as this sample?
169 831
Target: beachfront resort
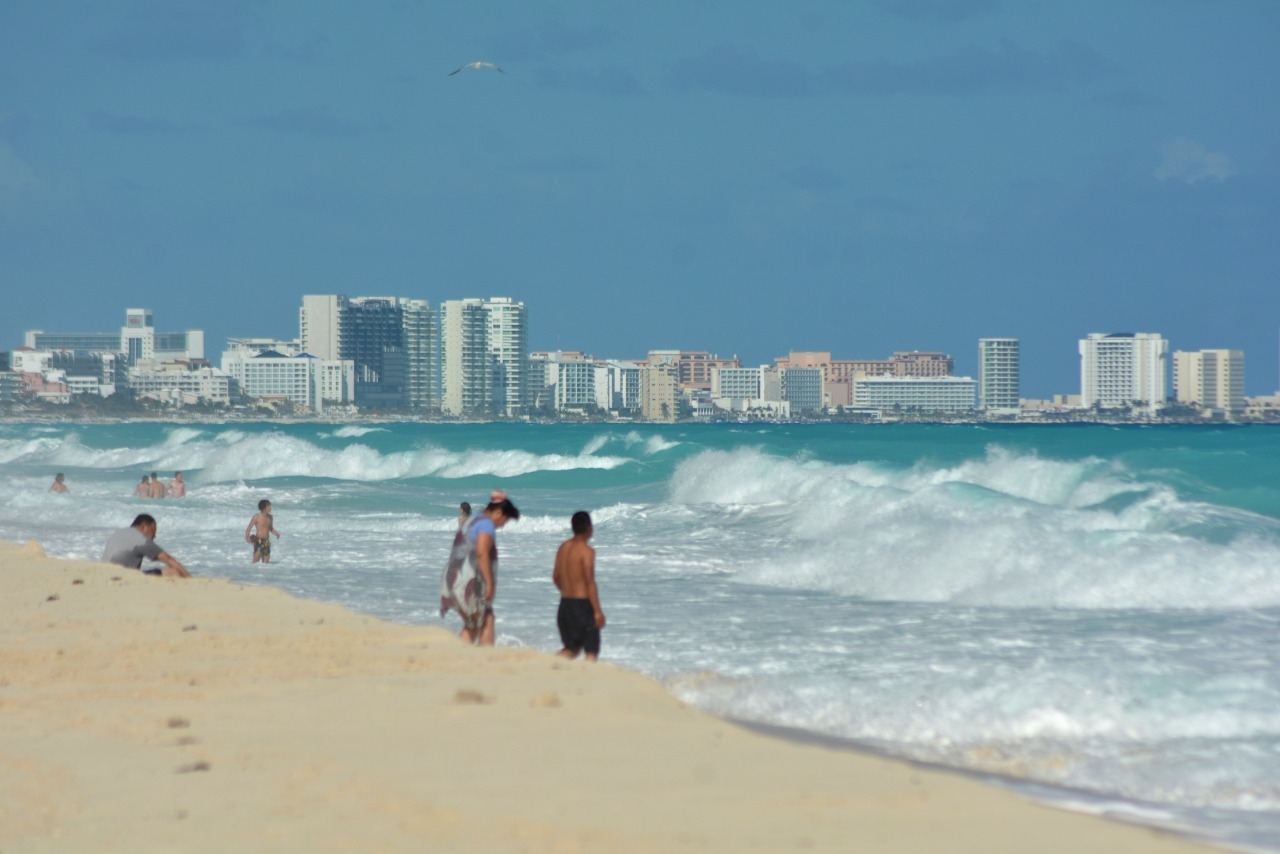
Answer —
363 357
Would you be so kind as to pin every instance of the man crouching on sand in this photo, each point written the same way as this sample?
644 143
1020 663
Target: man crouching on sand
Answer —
128 546
580 618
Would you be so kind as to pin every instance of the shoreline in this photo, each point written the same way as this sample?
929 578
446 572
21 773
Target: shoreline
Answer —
1111 808
177 419
149 714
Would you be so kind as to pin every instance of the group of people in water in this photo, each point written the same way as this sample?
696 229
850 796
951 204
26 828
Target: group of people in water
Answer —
467 587
470 580
152 487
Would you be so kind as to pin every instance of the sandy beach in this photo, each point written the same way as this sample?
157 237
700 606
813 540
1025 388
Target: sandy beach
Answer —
143 714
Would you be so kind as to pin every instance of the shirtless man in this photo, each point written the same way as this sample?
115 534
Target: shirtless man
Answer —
580 618
59 483
177 488
259 532
143 490
157 488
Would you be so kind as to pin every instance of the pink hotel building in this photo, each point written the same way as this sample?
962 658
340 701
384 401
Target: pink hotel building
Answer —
838 374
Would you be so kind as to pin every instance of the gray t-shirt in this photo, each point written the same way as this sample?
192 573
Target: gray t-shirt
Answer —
128 547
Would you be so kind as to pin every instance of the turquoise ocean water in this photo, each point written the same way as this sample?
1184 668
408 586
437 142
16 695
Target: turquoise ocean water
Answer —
1092 611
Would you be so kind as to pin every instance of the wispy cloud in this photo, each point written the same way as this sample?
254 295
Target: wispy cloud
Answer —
609 80
740 71
566 164
975 69
307 48
17 179
306 121
137 125
178 29
812 177
1129 99
1008 67
947 11
551 40
1188 161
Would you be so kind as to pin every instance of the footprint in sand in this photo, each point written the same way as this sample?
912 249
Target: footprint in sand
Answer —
468 696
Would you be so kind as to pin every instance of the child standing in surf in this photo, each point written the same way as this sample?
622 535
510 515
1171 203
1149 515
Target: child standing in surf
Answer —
259 532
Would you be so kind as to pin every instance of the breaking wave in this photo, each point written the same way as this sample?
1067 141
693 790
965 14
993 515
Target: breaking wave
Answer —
1008 529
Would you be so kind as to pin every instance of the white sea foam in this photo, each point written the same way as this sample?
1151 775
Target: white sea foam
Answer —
278 455
1130 715
182 435
1006 530
654 444
16 450
355 431
650 445
233 455
596 443
183 448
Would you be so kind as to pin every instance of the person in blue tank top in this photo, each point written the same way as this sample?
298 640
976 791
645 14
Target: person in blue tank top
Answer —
471 576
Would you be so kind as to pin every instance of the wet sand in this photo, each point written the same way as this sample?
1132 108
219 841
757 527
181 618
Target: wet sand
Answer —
142 714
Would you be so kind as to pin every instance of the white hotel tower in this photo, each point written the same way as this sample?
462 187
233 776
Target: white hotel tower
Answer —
999 383
485 346
1124 368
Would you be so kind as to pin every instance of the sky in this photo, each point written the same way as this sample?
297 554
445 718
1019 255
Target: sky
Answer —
740 178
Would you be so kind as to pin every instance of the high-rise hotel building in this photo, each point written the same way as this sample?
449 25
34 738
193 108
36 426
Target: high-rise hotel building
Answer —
508 348
1211 379
137 340
467 380
394 343
320 325
999 385
421 341
1122 369
485 345
263 368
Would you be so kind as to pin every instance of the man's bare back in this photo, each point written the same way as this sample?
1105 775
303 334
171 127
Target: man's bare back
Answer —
575 570
580 617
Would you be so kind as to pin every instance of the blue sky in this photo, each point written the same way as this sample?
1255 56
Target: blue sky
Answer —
743 178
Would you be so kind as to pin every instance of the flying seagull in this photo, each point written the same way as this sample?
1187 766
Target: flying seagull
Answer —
478 65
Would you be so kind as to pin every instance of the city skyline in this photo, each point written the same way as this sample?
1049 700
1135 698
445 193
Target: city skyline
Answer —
429 363
854 178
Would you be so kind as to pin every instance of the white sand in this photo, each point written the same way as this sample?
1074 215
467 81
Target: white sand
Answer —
141 714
